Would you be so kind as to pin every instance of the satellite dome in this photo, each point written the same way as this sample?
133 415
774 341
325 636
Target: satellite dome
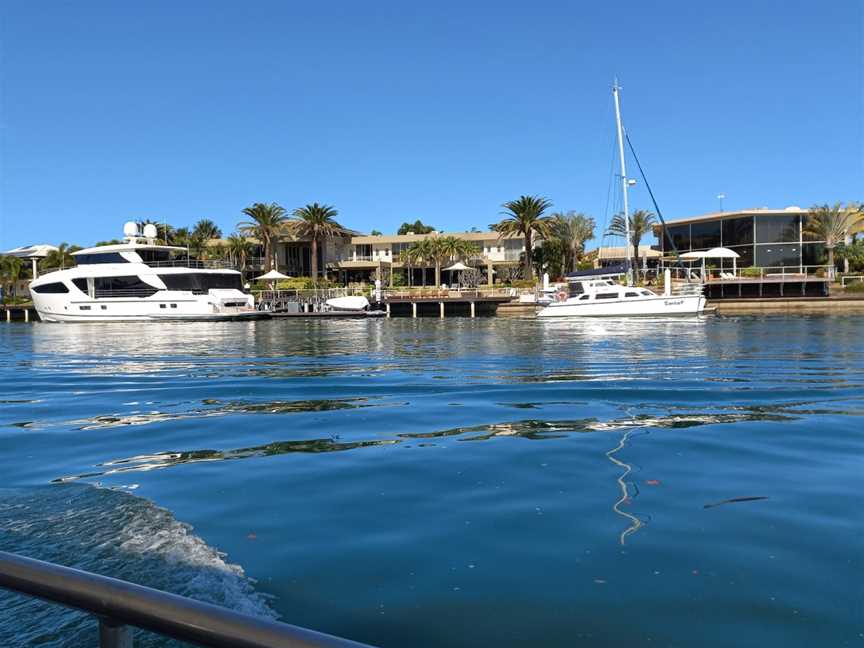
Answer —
130 229
150 231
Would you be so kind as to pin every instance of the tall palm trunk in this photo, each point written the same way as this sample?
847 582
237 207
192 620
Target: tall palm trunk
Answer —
314 259
437 274
635 268
831 269
268 254
529 257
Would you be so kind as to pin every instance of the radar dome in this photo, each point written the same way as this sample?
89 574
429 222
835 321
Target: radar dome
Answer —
150 231
130 229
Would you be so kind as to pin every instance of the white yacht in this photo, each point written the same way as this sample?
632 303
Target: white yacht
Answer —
602 296
140 280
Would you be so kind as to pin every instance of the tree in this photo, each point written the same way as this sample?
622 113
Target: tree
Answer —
164 231
573 229
181 237
60 258
375 233
550 257
204 230
264 224
832 224
438 250
11 269
524 216
418 227
640 224
316 222
238 249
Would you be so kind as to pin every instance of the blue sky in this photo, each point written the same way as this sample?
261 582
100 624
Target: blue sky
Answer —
394 111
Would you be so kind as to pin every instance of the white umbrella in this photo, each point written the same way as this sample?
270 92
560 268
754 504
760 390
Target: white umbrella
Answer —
457 266
273 275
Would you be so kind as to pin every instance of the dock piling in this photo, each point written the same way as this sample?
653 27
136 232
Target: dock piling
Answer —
441 305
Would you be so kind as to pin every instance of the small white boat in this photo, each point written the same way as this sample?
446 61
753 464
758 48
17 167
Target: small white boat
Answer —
603 297
353 303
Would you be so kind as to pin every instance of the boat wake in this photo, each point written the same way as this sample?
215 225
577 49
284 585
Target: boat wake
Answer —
114 534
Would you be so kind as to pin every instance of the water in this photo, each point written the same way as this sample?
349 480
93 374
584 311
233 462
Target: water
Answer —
463 482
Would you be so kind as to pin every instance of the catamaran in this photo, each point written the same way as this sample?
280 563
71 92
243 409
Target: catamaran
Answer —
141 280
596 293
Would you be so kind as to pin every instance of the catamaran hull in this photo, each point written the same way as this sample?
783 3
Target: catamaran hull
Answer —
648 306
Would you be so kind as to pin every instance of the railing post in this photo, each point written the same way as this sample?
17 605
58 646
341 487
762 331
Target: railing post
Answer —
114 635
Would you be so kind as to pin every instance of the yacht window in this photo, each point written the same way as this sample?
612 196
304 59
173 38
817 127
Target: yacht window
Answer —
83 308
200 282
101 257
584 297
104 307
606 296
124 286
80 284
173 305
154 256
631 294
161 305
645 292
50 288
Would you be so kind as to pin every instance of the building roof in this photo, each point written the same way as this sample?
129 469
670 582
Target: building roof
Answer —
758 211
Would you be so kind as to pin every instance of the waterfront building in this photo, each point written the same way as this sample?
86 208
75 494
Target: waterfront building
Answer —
369 254
602 257
773 239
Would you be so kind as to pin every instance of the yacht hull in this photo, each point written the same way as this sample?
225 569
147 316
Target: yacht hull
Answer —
646 306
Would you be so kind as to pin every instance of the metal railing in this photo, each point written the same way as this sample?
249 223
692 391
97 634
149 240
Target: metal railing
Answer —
784 273
200 264
119 604
843 279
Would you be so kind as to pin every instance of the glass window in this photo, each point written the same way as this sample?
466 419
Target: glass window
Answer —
813 254
584 297
777 229
606 296
776 256
104 257
80 284
154 256
123 286
744 260
631 294
200 282
50 288
680 237
704 236
737 231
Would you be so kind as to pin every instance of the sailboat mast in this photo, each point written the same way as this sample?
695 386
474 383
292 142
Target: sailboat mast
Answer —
615 89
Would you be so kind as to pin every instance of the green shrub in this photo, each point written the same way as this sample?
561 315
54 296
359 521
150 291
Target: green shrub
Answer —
752 271
854 287
522 283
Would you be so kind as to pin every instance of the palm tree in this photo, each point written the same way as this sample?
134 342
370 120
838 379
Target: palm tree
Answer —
181 237
204 231
573 229
419 254
164 231
11 269
60 258
238 250
833 224
640 224
316 222
266 221
525 216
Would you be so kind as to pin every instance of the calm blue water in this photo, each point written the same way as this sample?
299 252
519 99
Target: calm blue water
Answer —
502 481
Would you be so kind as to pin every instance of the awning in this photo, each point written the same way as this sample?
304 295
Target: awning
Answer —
273 275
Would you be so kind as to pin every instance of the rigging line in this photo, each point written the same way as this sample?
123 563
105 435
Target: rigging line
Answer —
610 195
653 200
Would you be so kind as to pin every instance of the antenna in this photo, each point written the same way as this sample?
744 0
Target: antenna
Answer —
130 229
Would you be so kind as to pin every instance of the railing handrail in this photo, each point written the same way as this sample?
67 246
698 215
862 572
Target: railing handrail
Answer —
118 603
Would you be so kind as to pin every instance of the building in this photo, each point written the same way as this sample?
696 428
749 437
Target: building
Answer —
367 254
773 239
602 257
